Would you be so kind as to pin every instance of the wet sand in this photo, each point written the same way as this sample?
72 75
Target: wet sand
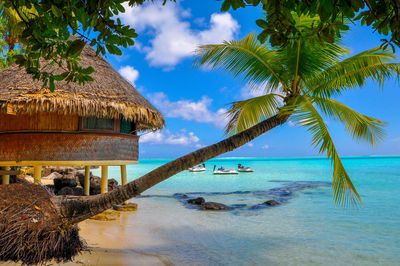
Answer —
115 243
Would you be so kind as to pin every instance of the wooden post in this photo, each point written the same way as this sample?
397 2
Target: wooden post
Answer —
6 178
123 177
104 179
37 174
86 185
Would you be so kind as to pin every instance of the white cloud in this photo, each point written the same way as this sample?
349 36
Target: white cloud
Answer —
129 73
189 110
265 147
247 92
250 145
291 123
166 137
172 38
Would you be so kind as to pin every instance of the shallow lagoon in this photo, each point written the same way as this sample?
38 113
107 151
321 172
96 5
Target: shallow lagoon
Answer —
306 229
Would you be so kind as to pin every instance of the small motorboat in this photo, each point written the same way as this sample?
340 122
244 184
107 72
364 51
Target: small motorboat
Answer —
242 168
199 168
223 171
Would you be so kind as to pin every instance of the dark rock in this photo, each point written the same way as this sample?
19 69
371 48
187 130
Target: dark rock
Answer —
112 184
95 185
66 191
215 206
59 183
196 201
184 196
271 202
78 191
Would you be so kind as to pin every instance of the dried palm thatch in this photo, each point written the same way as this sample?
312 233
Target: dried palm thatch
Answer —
33 232
110 95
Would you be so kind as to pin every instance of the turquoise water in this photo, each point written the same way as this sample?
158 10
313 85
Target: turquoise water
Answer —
306 230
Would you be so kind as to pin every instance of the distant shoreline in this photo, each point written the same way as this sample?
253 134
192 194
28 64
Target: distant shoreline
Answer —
287 158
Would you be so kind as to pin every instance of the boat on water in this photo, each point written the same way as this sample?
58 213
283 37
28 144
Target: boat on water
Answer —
223 171
242 168
199 168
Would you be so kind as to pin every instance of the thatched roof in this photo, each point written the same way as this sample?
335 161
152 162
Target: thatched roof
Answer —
110 95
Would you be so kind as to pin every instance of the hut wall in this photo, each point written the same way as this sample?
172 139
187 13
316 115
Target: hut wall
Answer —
39 122
68 147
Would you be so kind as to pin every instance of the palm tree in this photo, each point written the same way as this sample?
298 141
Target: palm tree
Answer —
299 82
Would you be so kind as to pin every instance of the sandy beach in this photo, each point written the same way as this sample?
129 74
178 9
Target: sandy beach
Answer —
111 244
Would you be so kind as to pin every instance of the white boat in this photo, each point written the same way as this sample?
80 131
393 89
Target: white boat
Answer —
199 168
223 171
242 168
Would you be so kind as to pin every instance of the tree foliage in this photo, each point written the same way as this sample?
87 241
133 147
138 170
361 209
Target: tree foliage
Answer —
278 26
43 28
300 80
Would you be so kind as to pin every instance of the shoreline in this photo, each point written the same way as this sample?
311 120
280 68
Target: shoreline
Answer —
110 243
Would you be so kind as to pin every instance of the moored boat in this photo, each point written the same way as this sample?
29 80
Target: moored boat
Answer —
242 168
199 168
223 171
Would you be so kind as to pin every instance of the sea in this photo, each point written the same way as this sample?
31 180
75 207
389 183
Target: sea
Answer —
307 228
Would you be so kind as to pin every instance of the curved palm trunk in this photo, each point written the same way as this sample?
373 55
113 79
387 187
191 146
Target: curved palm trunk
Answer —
77 209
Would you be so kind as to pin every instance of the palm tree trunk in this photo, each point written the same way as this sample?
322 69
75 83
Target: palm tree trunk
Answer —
77 209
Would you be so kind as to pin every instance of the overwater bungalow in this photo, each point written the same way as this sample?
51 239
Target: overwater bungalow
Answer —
94 124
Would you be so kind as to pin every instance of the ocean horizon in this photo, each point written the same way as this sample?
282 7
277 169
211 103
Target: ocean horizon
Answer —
307 228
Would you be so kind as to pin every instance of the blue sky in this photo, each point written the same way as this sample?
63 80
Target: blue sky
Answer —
193 101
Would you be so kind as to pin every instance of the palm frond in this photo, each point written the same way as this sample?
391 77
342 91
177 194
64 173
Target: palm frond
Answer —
247 113
245 58
343 188
358 125
375 64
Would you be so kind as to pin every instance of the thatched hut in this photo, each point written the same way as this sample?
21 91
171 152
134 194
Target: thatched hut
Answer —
76 125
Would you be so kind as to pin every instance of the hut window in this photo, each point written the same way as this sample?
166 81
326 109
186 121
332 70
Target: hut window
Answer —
93 122
125 126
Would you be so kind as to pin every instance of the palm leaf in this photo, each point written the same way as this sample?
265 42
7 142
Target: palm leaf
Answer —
353 72
306 115
358 125
245 58
247 113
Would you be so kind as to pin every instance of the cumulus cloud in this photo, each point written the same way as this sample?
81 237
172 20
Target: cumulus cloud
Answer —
129 73
189 110
172 38
250 145
265 147
181 138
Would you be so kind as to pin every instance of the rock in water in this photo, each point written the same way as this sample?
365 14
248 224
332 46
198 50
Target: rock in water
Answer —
196 201
126 207
108 215
215 206
271 203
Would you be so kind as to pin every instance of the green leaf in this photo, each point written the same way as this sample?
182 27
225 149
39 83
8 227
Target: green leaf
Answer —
112 49
75 48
